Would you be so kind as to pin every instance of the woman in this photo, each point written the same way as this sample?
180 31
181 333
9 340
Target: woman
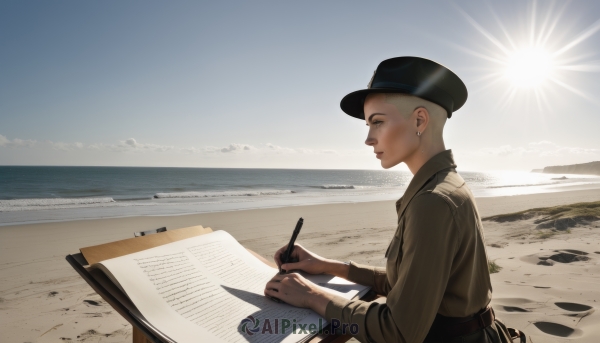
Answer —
436 280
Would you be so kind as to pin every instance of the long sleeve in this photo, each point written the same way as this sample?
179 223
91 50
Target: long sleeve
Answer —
421 256
374 277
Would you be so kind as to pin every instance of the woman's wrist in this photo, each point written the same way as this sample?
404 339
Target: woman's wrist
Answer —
337 268
318 302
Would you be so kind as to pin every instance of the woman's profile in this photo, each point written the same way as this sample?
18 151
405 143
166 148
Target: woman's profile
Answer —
436 281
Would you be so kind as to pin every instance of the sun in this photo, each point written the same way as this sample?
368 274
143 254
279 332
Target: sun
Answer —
529 67
535 60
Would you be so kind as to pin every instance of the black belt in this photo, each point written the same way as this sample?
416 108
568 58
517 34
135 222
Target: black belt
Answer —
450 327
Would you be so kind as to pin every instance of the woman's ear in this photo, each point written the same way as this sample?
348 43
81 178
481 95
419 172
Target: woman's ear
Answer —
422 116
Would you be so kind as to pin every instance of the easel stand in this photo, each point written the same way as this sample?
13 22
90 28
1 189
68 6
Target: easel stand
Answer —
143 331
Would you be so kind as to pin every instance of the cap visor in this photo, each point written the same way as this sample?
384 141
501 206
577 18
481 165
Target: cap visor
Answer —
353 103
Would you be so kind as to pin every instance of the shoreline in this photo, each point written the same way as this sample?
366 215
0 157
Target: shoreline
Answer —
42 299
146 211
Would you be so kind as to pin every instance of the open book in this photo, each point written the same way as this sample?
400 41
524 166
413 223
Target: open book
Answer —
209 288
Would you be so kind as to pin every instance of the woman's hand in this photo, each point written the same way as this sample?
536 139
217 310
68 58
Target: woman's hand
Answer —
297 291
311 263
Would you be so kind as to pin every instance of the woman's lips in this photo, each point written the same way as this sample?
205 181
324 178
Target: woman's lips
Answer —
378 154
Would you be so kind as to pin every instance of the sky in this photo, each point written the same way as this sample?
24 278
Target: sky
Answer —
258 84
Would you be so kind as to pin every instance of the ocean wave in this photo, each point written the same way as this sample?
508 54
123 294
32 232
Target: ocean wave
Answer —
526 185
337 187
38 204
134 199
212 194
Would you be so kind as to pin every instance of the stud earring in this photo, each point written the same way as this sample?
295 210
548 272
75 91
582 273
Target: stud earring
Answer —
418 133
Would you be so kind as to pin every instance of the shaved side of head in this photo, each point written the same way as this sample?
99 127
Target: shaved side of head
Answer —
407 104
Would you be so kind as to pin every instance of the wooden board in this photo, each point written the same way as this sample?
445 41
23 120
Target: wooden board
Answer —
107 251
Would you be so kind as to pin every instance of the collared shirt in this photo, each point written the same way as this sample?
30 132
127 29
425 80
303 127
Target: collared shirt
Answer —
436 261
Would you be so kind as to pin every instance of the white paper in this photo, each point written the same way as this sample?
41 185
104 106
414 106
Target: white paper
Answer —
201 289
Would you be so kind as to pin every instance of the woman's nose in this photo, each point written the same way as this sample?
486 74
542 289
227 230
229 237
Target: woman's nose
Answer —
370 141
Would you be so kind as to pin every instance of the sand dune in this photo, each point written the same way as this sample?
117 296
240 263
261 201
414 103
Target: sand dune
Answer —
548 286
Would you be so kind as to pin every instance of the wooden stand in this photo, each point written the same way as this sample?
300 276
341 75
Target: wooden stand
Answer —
144 332
139 337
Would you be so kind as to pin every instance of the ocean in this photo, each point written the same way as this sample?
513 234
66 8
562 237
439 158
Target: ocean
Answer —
38 194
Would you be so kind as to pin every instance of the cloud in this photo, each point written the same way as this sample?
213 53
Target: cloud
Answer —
236 147
504 150
191 150
131 145
3 140
202 150
231 148
16 143
66 146
284 150
280 150
264 149
541 148
543 144
131 142
127 145
316 151
25 143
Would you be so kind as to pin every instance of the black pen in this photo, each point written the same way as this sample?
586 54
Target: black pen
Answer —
285 258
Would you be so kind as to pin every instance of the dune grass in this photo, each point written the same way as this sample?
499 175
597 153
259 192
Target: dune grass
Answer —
493 267
583 210
546 234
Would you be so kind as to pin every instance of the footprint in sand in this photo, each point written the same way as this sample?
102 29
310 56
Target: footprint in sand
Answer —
556 329
561 256
566 257
92 302
574 307
580 310
95 336
514 304
513 309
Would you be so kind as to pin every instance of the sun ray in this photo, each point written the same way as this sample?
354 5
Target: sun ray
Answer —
545 24
488 76
499 22
536 92
577 58
511 97
582 37
489 85
555 23
481 30
506 99
532 23
475 53
574 90
544 98
591 68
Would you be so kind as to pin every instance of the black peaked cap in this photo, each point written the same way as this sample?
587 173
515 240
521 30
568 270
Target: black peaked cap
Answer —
411 75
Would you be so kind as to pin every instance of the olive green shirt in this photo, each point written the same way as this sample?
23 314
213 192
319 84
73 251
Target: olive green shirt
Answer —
436 262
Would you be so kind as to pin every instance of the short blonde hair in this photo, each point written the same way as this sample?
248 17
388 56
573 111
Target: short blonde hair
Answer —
407 104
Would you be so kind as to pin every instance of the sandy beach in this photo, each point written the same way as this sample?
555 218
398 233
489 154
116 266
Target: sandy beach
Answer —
43 300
